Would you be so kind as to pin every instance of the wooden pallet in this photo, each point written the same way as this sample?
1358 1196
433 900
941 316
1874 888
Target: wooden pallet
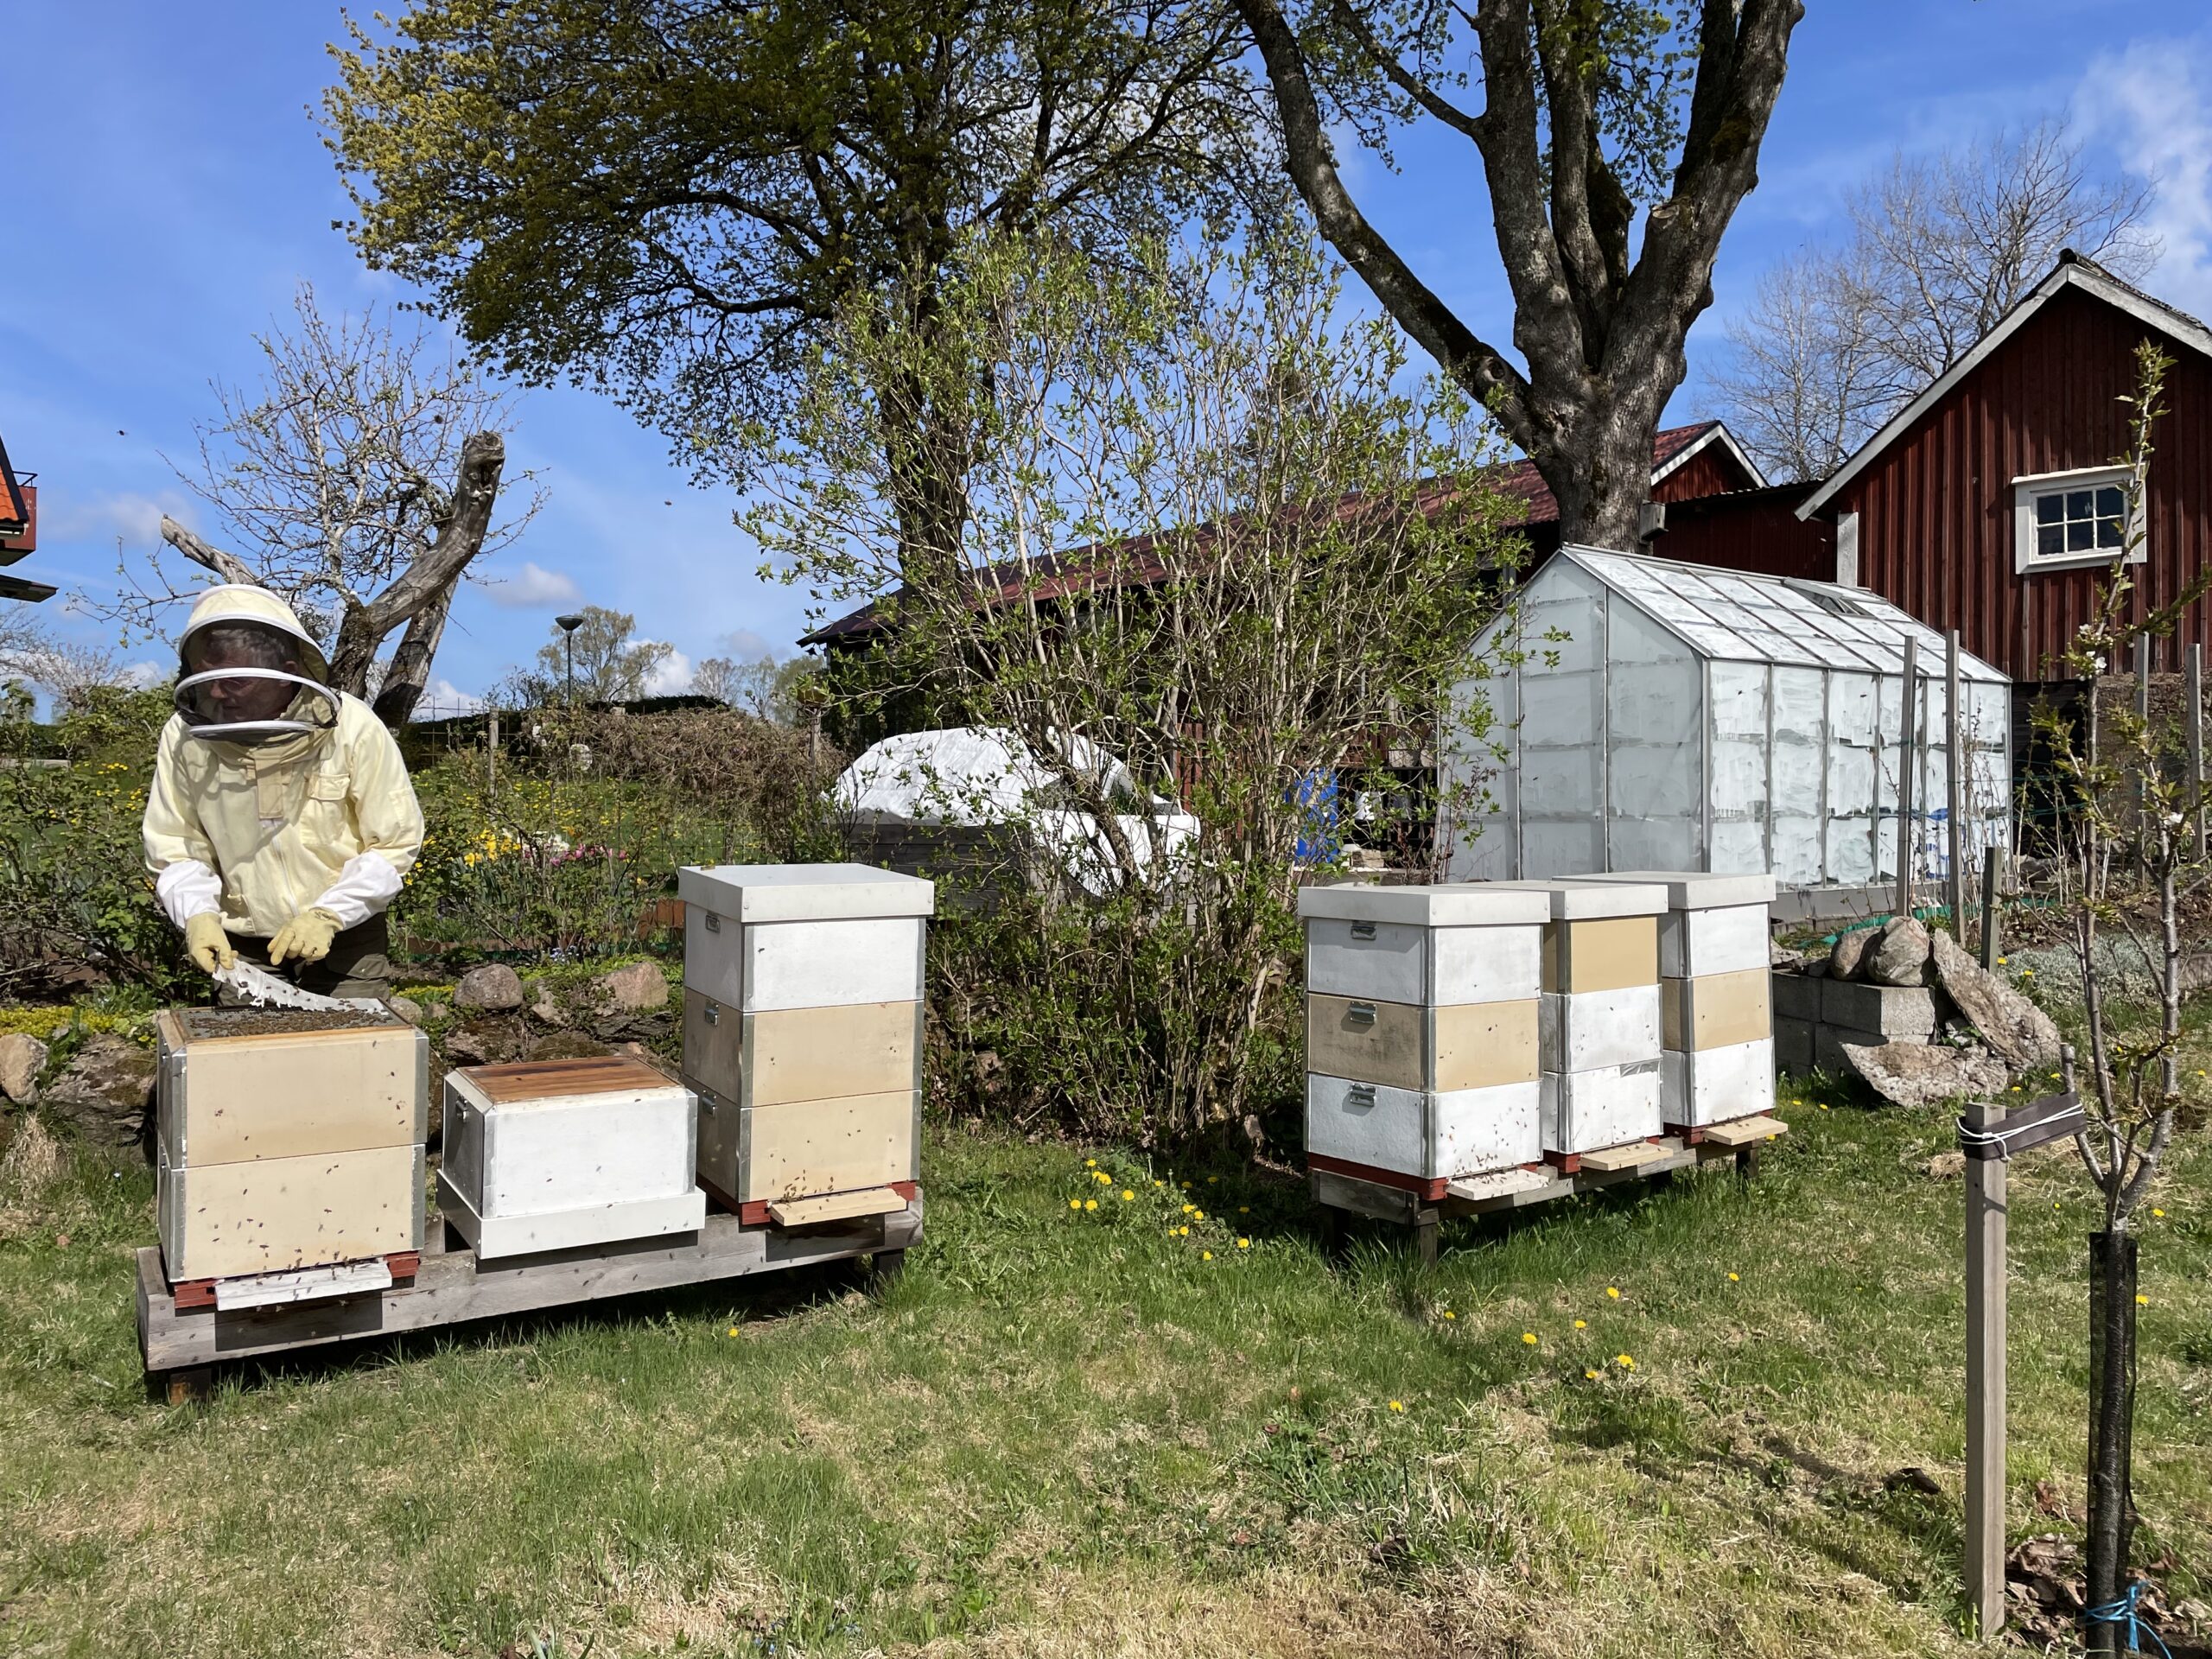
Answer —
182 1344
1342 1194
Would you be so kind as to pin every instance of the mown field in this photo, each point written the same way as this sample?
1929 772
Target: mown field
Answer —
1649 1423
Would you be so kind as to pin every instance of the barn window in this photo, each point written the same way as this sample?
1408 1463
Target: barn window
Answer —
2064 519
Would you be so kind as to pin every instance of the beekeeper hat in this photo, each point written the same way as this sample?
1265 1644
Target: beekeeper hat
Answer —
239 603
242 605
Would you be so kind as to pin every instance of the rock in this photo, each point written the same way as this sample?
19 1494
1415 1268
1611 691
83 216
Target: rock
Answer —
1898 955
1912 1074
1848 951
639 988
544 1007
493 987
1781 956
21 1059
407 1008
1945 1166
566 1046
105 1092
465 1047
2019 1032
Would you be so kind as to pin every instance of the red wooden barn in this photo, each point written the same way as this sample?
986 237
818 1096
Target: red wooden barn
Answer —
1992 503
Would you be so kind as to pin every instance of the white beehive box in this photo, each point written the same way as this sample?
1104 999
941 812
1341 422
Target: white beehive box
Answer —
1421 1029
1716 990
285 1143
1602 1011
552 1155
803 1027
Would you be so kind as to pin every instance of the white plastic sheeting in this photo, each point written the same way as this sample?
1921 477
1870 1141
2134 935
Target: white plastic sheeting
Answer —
1656 716
973 775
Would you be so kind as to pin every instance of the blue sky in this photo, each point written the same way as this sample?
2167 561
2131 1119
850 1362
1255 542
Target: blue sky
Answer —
167 190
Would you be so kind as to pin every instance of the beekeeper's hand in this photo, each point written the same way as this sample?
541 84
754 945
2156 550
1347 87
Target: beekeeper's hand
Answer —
207 944
306 938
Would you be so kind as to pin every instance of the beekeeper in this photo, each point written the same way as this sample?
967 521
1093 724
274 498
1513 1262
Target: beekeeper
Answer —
281 820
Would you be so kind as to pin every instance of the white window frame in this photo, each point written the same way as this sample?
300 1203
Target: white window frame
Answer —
2025 559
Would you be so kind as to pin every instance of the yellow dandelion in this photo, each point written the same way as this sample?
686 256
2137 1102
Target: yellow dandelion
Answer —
1156 1181
2001 961
1733 1279
1612 1293
1397 1405
1244 1243
2158 1212
1824 1105
1626 1362
2142 1301
1074 1204
1182 1232
1091 1163
1582 1325
1091 1203
1205 1256
1528 1336
1212 1179
1449 1314
1128 1196
1243 1208
1188 1208
1197 1214
1591 1375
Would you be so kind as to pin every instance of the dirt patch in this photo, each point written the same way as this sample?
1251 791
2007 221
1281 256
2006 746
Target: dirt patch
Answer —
272 1022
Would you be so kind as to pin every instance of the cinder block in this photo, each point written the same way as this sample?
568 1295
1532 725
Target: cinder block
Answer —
1906 1011
1796 997
1793 1045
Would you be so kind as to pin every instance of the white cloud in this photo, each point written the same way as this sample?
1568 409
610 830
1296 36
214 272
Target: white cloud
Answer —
136 517
139 676
443 697
2148 103
745 645
673 675
531 587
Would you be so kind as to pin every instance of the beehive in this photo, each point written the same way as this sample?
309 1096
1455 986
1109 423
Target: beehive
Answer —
552 1155
1422 1028
1716 990
287 1141
1600 1013
801 1027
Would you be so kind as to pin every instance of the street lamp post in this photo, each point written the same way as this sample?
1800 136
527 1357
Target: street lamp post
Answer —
569 624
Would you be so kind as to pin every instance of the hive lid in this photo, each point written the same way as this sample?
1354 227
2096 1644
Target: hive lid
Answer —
1584 897
1694 890
525 1080
1466 904
804 893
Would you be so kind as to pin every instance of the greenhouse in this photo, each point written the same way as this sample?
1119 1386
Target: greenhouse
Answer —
1645 715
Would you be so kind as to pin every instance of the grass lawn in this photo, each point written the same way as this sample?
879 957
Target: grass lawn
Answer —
1068 1430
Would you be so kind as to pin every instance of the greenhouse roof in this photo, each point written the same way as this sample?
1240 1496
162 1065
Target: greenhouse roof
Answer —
1735 616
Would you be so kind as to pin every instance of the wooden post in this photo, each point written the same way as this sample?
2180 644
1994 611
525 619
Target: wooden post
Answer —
1907 763
2193 723
1992 881
1954 790
1986 1246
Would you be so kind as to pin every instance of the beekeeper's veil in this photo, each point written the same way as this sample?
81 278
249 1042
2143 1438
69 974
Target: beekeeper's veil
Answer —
233 684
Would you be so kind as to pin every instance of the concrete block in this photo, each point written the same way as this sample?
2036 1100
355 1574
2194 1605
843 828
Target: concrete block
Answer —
1793 1045
1796 997
1907 1011
1828 1041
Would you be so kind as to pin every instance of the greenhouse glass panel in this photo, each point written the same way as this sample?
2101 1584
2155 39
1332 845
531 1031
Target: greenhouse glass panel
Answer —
1685 718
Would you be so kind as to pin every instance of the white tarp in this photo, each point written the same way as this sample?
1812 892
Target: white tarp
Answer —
981 776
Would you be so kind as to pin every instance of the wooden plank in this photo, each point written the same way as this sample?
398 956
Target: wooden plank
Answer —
229 1100
1608 1159
454 1287
1478 1189
834 1206
1340 1191
1985 1316
1745 1131
833 1145
219 1221
549 1079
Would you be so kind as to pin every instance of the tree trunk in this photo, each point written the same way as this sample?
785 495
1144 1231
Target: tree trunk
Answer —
403 682
1600 469
2112 1420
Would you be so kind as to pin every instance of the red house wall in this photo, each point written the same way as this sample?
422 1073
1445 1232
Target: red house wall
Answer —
1936 532
1757 530
1709 471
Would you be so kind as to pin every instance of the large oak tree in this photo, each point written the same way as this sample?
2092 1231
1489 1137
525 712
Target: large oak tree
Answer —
1616 140
670 200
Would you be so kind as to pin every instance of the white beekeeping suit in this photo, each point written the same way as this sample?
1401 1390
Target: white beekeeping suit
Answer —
281 817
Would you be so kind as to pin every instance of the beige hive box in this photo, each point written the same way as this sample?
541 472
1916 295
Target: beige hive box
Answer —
1600 1013
801 1027
1716 996
554 1154
1421 1020
287 1141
